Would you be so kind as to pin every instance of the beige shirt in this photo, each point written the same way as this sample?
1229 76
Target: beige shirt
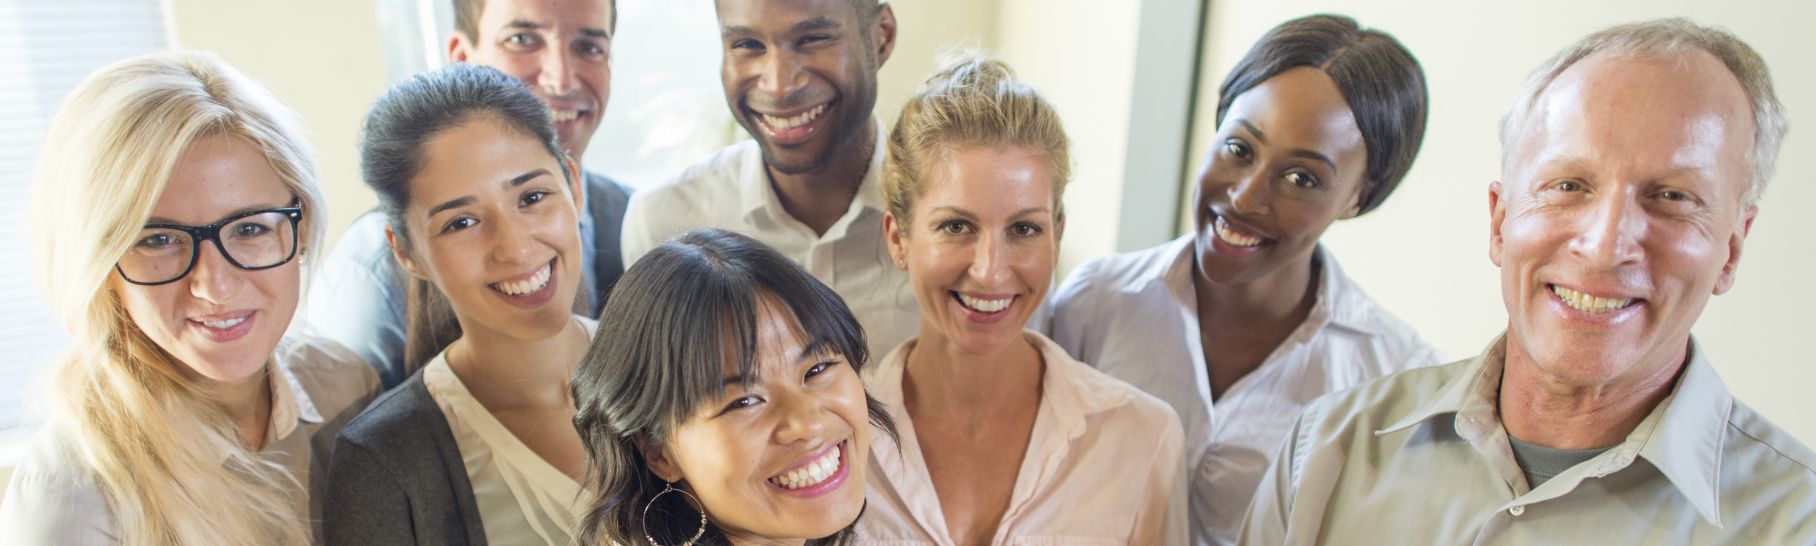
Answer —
1421 457
731 191
1102 466
317 386
1135 316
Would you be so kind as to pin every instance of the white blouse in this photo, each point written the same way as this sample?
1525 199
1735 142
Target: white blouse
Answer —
1135 317
1102 466
522 499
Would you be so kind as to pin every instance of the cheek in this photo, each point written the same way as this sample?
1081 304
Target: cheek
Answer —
147 306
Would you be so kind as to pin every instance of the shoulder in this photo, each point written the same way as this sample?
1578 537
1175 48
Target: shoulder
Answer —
1379 403
1387 342
1118 407
1121 272
401 420
1765 447
605 196
52 497
335 377
362 247
703 186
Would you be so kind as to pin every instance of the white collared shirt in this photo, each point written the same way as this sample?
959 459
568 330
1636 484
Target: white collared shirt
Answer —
1102 466
731 191
317 386
1134 316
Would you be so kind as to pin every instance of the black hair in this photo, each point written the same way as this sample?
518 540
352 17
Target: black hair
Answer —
671 323
390 152
1382 82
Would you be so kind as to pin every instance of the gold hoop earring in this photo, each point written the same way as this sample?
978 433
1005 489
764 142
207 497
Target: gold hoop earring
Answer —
666 488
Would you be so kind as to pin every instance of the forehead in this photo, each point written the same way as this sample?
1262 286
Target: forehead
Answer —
983 178
777 15
1301 106
477 155
1683 112
216 176
780 341
575 13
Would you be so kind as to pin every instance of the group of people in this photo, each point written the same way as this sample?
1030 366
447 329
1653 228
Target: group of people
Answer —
843 331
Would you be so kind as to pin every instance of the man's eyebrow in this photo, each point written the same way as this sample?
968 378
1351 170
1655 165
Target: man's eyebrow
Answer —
817 23
523 23
592 32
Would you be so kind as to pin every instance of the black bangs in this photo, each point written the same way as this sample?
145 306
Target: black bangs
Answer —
660 355
676 316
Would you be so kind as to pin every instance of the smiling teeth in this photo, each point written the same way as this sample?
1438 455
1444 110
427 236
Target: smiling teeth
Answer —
983 305
783 124
1232 236
526 286
565 115
224 324
812 474
1586 303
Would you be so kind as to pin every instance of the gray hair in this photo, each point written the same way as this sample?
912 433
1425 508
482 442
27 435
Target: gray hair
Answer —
1669 38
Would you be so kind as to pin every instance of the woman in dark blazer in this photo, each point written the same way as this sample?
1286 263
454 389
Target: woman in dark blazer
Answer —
482 208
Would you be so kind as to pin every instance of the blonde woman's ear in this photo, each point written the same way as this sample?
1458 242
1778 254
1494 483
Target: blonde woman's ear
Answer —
892 233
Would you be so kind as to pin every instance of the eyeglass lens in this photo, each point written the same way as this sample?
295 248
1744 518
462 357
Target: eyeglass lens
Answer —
254 242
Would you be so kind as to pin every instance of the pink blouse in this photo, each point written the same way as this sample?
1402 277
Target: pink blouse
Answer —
1103 465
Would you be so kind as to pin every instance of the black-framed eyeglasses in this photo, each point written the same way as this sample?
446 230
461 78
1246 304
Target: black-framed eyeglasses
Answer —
165 253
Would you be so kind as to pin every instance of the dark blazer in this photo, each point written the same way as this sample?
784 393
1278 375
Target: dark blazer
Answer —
605 202
397 477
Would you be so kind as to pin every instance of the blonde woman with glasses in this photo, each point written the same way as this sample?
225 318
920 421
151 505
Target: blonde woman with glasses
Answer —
177 206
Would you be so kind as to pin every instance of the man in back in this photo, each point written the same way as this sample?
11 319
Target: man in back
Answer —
800 77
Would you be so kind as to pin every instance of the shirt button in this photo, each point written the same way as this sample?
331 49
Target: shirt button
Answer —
1517 510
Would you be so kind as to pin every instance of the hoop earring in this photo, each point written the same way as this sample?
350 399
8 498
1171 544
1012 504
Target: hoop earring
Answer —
666 488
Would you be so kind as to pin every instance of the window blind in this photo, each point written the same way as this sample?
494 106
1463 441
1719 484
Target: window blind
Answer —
46 48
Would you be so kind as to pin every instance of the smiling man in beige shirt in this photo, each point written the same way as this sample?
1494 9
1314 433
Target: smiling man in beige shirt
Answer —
1632 164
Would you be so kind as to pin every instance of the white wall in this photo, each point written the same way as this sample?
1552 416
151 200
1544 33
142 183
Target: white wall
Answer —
1424 253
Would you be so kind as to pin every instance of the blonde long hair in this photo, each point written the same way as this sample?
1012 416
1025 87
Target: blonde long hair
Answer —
154 442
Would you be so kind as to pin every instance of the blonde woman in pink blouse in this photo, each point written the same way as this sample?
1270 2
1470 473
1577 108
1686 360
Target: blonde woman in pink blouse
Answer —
1004 438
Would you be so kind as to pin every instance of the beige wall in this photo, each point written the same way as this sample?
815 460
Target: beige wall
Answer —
320 57
1424 253
1081 54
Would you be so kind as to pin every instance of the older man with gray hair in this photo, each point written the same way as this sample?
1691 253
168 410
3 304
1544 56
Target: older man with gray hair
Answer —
1631 166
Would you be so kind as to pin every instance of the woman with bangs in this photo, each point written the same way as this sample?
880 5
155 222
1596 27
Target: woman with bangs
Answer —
721 402
475 447
177 205
1240 323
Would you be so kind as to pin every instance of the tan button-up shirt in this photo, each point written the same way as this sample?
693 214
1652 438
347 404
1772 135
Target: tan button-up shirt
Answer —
1421 457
